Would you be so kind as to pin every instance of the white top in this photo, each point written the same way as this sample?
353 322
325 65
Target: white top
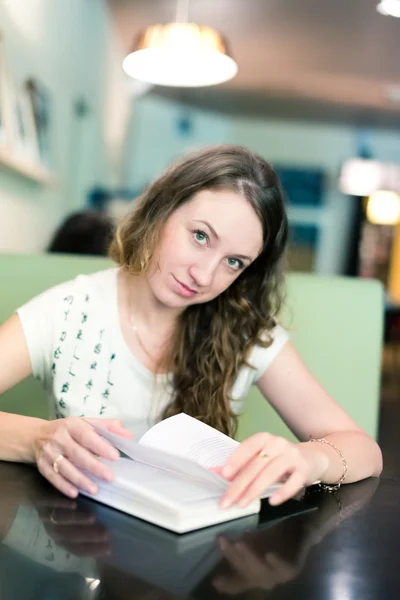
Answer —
78 351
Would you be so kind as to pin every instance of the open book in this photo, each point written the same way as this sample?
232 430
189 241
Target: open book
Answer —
165 478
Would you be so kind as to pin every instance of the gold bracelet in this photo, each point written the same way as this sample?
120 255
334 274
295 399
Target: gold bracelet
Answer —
333 487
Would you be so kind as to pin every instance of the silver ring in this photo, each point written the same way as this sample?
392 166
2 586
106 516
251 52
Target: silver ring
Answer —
55 463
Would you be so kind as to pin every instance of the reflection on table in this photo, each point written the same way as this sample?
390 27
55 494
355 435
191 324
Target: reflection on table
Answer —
56 548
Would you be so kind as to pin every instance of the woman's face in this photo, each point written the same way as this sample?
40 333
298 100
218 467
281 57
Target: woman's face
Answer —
205 245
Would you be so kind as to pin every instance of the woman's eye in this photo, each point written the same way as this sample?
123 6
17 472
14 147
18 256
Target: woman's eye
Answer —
201 237
235 263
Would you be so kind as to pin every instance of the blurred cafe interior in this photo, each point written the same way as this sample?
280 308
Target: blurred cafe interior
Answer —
98 97
94 105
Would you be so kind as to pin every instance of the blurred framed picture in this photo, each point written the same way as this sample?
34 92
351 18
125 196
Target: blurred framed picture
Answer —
18 139
5 106
304 186
24 142
40 100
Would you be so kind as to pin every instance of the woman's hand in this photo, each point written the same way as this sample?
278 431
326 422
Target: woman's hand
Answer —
80 445
264 460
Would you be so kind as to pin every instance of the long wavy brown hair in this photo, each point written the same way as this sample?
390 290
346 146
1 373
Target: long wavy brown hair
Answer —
214 339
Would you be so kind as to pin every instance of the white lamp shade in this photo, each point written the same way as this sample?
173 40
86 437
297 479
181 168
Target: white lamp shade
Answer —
180 55
383 208
389 7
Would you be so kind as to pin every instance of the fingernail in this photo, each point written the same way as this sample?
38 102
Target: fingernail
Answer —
227 471
273 500
92 489
114 454
244 502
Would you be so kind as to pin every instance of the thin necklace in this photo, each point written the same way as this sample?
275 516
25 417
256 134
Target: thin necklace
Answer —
139 339
136 332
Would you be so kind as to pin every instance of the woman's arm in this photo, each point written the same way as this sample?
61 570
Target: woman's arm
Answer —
17 432
312 413
264 459
26 439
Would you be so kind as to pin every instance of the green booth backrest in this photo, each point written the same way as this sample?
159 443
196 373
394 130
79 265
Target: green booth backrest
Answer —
334 322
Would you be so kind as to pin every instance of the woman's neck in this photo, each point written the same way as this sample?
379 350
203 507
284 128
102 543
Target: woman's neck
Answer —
144 309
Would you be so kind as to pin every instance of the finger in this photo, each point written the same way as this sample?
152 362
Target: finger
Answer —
295 483
68 471
56 479
113 425
71 473
78 456
244 453
83 459
243 479
81 431
276 447
271 475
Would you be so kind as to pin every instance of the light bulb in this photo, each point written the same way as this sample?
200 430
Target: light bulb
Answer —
383 208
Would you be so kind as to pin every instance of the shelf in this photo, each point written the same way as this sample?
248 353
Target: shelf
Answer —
27 169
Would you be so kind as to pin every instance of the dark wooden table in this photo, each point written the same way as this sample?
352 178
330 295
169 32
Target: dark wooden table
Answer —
340 547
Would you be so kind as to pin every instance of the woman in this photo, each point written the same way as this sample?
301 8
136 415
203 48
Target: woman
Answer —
186 323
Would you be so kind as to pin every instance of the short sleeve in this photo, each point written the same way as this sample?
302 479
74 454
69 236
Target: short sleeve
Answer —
261 358
38 318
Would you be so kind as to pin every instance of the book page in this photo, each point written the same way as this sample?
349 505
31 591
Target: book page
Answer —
163 459
162 487
189 438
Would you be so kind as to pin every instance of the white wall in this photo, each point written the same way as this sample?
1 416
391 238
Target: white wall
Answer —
154 140
70 46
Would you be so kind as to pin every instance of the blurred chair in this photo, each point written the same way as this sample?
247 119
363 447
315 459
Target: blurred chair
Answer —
336 323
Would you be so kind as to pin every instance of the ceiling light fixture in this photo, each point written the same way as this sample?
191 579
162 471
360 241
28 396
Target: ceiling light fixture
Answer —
389 8
383 208
180 54
363 177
